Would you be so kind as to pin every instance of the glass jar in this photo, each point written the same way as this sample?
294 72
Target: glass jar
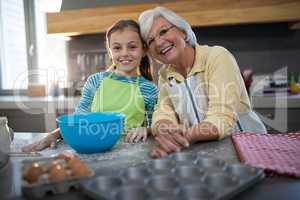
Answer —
6 135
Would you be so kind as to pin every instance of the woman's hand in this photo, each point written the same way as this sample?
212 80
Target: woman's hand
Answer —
173 138
136 134
48 141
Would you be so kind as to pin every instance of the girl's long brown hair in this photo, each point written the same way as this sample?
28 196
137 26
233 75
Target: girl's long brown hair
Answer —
145 65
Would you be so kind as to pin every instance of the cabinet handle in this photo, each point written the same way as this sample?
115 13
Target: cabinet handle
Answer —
269 115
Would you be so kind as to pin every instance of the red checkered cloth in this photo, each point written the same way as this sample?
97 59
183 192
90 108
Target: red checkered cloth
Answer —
278 154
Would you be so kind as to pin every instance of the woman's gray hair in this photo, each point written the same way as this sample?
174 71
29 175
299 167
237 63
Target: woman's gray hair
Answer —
147 17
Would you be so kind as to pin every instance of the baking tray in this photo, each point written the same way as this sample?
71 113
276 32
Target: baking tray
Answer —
44 187
179 176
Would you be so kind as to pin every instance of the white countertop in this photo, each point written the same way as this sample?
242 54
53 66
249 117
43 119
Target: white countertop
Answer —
26 102
271 100
278 100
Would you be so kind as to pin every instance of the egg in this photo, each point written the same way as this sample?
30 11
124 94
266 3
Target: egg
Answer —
66 156
78 167
33 173
57 173
56 162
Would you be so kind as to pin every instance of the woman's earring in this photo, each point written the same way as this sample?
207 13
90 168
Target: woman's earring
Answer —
186 39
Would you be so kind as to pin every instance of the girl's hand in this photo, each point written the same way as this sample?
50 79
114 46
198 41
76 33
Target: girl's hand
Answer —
136 134
48 141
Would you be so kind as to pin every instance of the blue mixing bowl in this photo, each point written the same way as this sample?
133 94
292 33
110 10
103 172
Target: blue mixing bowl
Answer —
92 132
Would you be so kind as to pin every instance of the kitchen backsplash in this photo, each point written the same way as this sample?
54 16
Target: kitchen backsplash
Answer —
87 54
264 48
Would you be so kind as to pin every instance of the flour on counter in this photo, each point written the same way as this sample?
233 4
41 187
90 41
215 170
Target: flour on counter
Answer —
120 150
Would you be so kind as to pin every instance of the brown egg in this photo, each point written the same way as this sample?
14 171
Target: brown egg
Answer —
33 173
56 162
66 156
57 173
78 167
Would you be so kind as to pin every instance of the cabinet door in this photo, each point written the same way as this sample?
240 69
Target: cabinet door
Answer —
22 121
294 119
280 119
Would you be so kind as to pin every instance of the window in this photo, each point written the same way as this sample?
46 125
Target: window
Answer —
52 51
27 54
14 62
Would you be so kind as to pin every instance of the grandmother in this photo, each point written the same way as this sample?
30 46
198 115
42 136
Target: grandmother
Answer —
202 94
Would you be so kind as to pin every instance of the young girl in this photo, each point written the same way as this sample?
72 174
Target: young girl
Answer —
126 87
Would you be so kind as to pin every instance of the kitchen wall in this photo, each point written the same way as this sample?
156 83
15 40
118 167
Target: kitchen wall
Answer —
87 55
262 47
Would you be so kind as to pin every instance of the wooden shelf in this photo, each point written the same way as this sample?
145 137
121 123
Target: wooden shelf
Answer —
197 12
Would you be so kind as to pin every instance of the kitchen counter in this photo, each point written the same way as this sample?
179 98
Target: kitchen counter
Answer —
38 113
41 112
259 100
275 100
278 111
124 155
26 102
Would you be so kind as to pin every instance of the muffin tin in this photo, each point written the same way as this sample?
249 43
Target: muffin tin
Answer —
41 177
179 176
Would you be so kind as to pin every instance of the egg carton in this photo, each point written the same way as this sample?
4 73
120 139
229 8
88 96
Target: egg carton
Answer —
44 187
179 176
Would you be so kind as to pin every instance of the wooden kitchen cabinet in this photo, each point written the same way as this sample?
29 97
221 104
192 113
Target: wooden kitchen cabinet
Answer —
198 13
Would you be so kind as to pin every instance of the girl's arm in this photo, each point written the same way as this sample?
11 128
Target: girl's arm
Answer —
88 92
150 98
48 141
84 106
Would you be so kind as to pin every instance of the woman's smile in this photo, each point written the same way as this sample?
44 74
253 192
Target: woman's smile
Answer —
166 50
166 41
